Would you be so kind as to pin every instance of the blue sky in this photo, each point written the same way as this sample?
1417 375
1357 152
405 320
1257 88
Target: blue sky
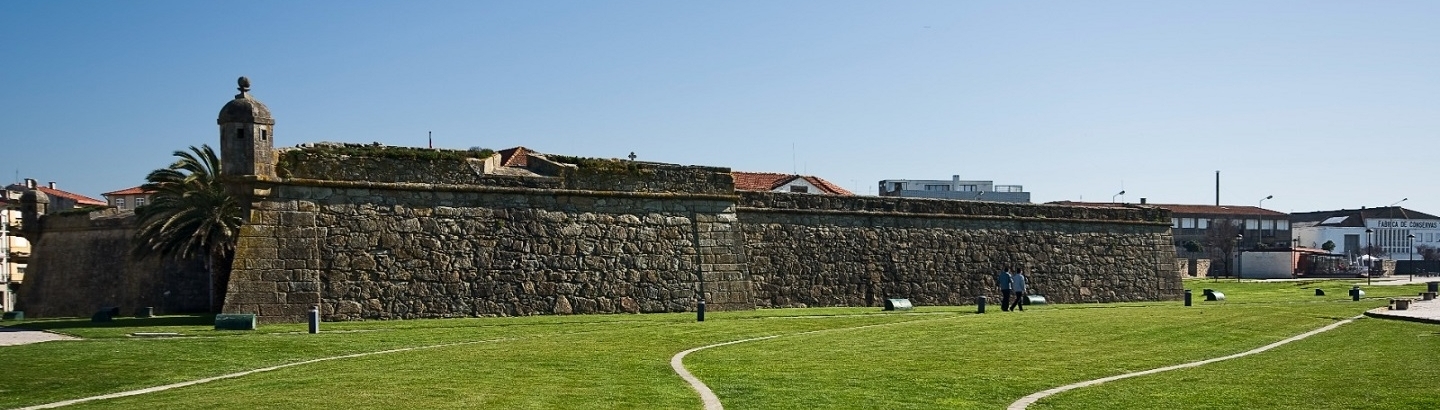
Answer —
1324 105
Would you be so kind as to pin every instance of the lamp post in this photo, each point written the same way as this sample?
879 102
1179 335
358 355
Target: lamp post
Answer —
1238 237
1262 201
1369 243
1411 237
1112 197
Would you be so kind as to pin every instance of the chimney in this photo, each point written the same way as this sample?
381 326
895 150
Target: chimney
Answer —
52 184
1142 201
30 183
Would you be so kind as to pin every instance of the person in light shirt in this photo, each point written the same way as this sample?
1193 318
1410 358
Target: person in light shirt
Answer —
1017 288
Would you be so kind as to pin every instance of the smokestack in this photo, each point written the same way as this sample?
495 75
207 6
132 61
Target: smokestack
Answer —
52 184
30 183
1142 201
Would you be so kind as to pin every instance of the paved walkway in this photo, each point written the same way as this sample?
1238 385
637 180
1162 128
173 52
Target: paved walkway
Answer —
1426 311
11 336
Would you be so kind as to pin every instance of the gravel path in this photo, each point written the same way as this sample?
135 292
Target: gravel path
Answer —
10 336
1031 399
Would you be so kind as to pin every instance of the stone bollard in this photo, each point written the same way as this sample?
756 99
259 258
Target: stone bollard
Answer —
314 319
1187 297
979 304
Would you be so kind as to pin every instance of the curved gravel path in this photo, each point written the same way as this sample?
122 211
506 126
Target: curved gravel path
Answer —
1031 399
711 401
234 375
708 397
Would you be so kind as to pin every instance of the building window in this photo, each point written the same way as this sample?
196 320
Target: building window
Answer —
264 134
1252 224
969 188
1174 222
1282 225
1009 188
1267 224
800 189
1202 223
240 133
139 202
120 203
937 187
1187 223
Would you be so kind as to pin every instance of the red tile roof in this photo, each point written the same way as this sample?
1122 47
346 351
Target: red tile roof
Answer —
80 200
1187 209
128 191
515 157
769 181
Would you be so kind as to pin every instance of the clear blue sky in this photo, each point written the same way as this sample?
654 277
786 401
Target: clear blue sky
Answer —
1324 105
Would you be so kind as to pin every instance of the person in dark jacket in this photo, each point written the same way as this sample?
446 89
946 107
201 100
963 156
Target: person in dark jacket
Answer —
1002 280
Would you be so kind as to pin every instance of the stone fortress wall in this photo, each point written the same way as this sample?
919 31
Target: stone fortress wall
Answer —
81 262
817 250
363 235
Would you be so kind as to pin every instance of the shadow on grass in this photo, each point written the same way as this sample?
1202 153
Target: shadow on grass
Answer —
80 323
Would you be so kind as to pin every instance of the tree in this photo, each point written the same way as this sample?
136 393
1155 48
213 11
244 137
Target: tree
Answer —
1428 253
1191 246
190 215
1220 236
1328 246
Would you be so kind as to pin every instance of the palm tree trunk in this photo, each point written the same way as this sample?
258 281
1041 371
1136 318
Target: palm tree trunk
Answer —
210 285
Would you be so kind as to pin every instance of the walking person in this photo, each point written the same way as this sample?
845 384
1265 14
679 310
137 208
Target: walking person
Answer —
1017 288
1002 280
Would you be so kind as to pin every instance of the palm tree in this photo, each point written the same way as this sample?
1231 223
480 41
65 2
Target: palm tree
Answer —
190 215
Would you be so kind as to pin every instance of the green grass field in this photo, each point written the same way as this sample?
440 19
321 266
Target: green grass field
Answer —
931 357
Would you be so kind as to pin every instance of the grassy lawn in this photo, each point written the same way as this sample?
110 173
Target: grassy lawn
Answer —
932 357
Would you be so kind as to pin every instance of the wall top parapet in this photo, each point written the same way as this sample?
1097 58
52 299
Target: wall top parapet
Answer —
781 201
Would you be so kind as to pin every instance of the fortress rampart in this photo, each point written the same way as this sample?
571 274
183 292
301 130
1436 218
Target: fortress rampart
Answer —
369 238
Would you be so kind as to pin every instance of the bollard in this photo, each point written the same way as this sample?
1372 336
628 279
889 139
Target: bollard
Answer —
1187 297
1356 293
1319 292
979 304
314 319
700 312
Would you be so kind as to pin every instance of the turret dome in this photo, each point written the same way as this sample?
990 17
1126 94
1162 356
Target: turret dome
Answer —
245 109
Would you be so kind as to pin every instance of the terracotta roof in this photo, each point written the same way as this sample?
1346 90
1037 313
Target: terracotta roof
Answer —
128 191
515 157
827 185
1186 209
80 200
769 181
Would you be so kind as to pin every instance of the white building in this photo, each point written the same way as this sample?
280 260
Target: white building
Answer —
955 188
14 250
1395 232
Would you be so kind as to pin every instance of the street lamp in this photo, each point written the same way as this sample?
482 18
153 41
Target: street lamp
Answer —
1112 197
1411 237
1369 243
1238 237
1262 201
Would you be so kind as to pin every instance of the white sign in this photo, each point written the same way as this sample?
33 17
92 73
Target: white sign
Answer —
1406 223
